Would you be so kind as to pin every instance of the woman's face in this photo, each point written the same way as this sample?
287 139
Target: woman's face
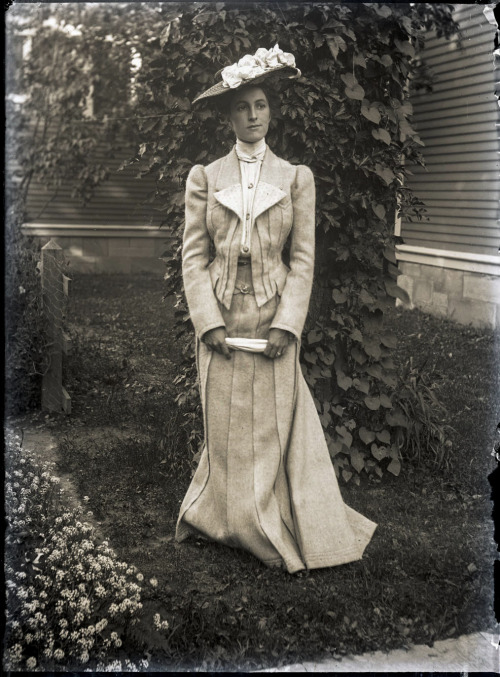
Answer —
250 114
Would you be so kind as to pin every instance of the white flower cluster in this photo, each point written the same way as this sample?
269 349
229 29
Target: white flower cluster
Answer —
251 66
62 588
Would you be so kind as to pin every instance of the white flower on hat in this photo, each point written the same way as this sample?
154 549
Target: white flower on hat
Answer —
252 66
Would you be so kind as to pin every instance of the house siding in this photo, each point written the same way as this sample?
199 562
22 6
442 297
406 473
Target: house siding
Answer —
459 185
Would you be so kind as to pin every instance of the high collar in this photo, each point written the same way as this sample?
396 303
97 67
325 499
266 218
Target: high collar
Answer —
229 173
251 149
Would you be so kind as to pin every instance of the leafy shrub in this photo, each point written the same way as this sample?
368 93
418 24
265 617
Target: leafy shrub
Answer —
24 321
423 435
69 599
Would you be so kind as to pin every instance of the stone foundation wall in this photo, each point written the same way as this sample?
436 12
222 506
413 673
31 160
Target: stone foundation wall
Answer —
460 295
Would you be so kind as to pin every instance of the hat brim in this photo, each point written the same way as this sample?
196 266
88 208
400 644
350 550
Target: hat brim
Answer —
220 88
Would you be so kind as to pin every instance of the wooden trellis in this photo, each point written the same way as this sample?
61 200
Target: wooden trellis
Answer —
55 290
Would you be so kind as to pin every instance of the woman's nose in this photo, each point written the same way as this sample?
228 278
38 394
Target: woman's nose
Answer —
252 113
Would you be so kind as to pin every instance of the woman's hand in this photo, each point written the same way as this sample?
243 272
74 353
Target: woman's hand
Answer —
215 340
277 343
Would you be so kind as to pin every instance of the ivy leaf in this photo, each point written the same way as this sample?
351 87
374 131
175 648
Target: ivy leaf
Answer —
345 435
356 335
358 355
336 42
405 48
382 10
339 296
357 460
395 291
314 336
382 135
372 348
394 466
371 113
359 60
389 339
343 381
375 370
385 173
372 403
384 436
386 402
367 436
396 418
378 452
355 92
334 447
366 298
362 385
379 210
346 474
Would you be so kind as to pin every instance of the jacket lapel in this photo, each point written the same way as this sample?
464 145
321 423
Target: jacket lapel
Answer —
269 189
228 185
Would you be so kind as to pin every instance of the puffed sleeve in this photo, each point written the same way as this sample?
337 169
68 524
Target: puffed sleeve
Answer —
203 306
292 309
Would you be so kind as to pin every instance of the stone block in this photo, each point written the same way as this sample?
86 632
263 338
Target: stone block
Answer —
482 287
453 283
434 273
423 290
467 311
410 269
439 304
142 247
96 246
119 247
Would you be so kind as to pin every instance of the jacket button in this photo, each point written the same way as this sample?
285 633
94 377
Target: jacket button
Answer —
245 249
247 216
250 186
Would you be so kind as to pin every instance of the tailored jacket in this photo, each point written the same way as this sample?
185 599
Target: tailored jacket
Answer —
284 205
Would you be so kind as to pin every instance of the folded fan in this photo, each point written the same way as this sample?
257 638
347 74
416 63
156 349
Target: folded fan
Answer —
249 345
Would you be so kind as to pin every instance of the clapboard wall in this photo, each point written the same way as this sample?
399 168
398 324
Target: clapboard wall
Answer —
118 230
450 260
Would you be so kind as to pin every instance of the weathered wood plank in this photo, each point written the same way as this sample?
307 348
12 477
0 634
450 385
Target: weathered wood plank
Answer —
66 401
67 343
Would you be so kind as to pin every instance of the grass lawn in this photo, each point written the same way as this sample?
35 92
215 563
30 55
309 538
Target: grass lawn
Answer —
426 575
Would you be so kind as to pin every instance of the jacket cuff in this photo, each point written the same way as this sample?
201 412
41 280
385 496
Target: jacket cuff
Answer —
214 325
286 327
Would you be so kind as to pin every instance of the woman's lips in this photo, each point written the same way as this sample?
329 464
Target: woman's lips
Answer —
255 126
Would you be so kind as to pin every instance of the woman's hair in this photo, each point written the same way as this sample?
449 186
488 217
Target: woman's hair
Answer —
223 102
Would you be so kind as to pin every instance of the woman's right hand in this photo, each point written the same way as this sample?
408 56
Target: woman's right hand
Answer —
215 339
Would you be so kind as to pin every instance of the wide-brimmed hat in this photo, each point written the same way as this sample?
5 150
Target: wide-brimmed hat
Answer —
253 69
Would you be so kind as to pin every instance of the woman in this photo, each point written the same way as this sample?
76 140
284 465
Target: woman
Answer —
265 481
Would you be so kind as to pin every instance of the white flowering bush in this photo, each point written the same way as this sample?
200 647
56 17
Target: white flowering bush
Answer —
68 598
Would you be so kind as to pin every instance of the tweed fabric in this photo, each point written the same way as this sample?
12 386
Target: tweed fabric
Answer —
265 481
284 207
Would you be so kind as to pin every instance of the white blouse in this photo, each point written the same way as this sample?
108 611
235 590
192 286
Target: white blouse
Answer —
250 156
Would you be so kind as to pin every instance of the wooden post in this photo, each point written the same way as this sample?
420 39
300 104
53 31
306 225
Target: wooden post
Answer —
54 293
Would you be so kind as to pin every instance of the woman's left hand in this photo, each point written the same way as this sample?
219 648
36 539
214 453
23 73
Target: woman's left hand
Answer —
277 343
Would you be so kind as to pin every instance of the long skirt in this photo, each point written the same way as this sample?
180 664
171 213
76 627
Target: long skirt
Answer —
265 481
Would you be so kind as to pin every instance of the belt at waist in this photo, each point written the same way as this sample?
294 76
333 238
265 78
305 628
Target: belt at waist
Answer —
244 261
